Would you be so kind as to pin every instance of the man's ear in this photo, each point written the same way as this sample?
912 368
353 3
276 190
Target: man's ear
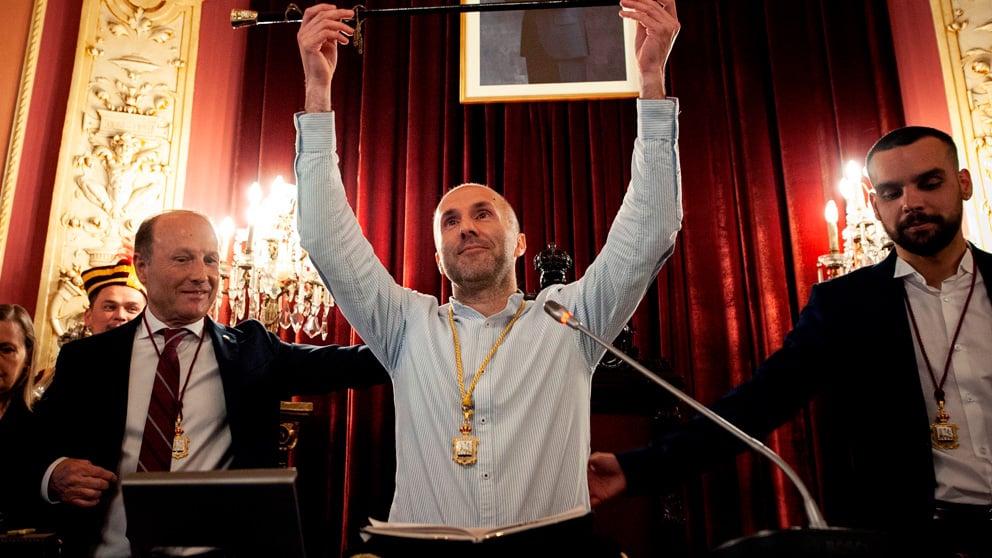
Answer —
874 207
521 245
967 188
437 260
139 269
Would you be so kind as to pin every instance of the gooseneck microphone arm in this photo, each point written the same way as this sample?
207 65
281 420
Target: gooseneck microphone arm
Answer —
813 515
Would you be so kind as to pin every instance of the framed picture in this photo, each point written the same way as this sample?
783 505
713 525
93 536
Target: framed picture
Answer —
546 54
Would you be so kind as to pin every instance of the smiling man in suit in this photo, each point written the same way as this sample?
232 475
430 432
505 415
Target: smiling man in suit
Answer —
98 420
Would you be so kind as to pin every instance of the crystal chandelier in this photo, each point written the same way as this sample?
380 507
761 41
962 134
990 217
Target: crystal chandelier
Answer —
865 241
269 276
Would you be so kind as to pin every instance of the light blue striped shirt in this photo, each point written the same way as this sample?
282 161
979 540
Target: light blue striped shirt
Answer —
532 405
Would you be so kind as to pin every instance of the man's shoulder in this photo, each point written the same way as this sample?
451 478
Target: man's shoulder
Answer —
78 360
118 336
865 287
250 326
250 331
981 256
839 288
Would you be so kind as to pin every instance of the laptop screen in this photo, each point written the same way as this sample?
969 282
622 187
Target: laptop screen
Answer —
245 511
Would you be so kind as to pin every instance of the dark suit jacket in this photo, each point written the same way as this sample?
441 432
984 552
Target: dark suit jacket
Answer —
873 428
85 410
21 505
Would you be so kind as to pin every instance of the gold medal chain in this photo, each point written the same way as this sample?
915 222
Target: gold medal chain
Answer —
467 395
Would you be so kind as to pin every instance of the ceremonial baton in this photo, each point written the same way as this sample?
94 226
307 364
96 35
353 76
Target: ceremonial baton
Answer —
293 13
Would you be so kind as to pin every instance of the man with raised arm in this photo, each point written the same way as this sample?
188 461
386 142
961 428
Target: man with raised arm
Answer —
492 397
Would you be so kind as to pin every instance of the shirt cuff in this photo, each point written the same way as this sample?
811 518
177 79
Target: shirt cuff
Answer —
315 131
658 118
47 477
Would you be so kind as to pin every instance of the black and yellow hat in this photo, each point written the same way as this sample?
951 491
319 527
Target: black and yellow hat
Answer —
120 273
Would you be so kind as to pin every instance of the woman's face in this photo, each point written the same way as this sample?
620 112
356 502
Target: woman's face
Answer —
13 357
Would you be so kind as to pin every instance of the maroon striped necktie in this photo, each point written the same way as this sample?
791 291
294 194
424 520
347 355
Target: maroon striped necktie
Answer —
160 426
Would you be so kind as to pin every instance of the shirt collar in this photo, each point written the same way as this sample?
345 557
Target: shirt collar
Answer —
155 324
512 303
904 270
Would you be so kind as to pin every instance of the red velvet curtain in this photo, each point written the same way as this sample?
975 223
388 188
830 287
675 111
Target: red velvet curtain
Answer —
775 96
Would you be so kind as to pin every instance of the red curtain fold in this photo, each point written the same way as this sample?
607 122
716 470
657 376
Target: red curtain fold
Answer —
775 96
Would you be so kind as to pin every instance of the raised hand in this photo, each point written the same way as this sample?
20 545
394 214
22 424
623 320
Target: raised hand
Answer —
322 30
658 25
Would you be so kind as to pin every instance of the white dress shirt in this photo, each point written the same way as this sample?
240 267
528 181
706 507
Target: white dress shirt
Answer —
532 405
204 419
964 474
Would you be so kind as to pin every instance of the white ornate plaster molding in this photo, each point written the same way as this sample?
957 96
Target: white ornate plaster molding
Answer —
964 37
124 143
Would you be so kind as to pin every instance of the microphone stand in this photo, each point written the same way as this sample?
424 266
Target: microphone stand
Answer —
813 515
819 541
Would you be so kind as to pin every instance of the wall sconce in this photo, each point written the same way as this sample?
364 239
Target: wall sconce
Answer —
270 277
865 241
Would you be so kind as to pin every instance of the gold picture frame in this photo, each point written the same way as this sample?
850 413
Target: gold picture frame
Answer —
494 67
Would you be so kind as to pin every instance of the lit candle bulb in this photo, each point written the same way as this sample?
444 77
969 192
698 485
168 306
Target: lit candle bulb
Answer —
254 200
830 213
227 237
853 174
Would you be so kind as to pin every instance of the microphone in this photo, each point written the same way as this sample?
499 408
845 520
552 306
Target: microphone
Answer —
813 515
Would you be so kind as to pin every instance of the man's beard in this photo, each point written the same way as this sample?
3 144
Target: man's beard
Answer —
479 272
926 243
473 272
